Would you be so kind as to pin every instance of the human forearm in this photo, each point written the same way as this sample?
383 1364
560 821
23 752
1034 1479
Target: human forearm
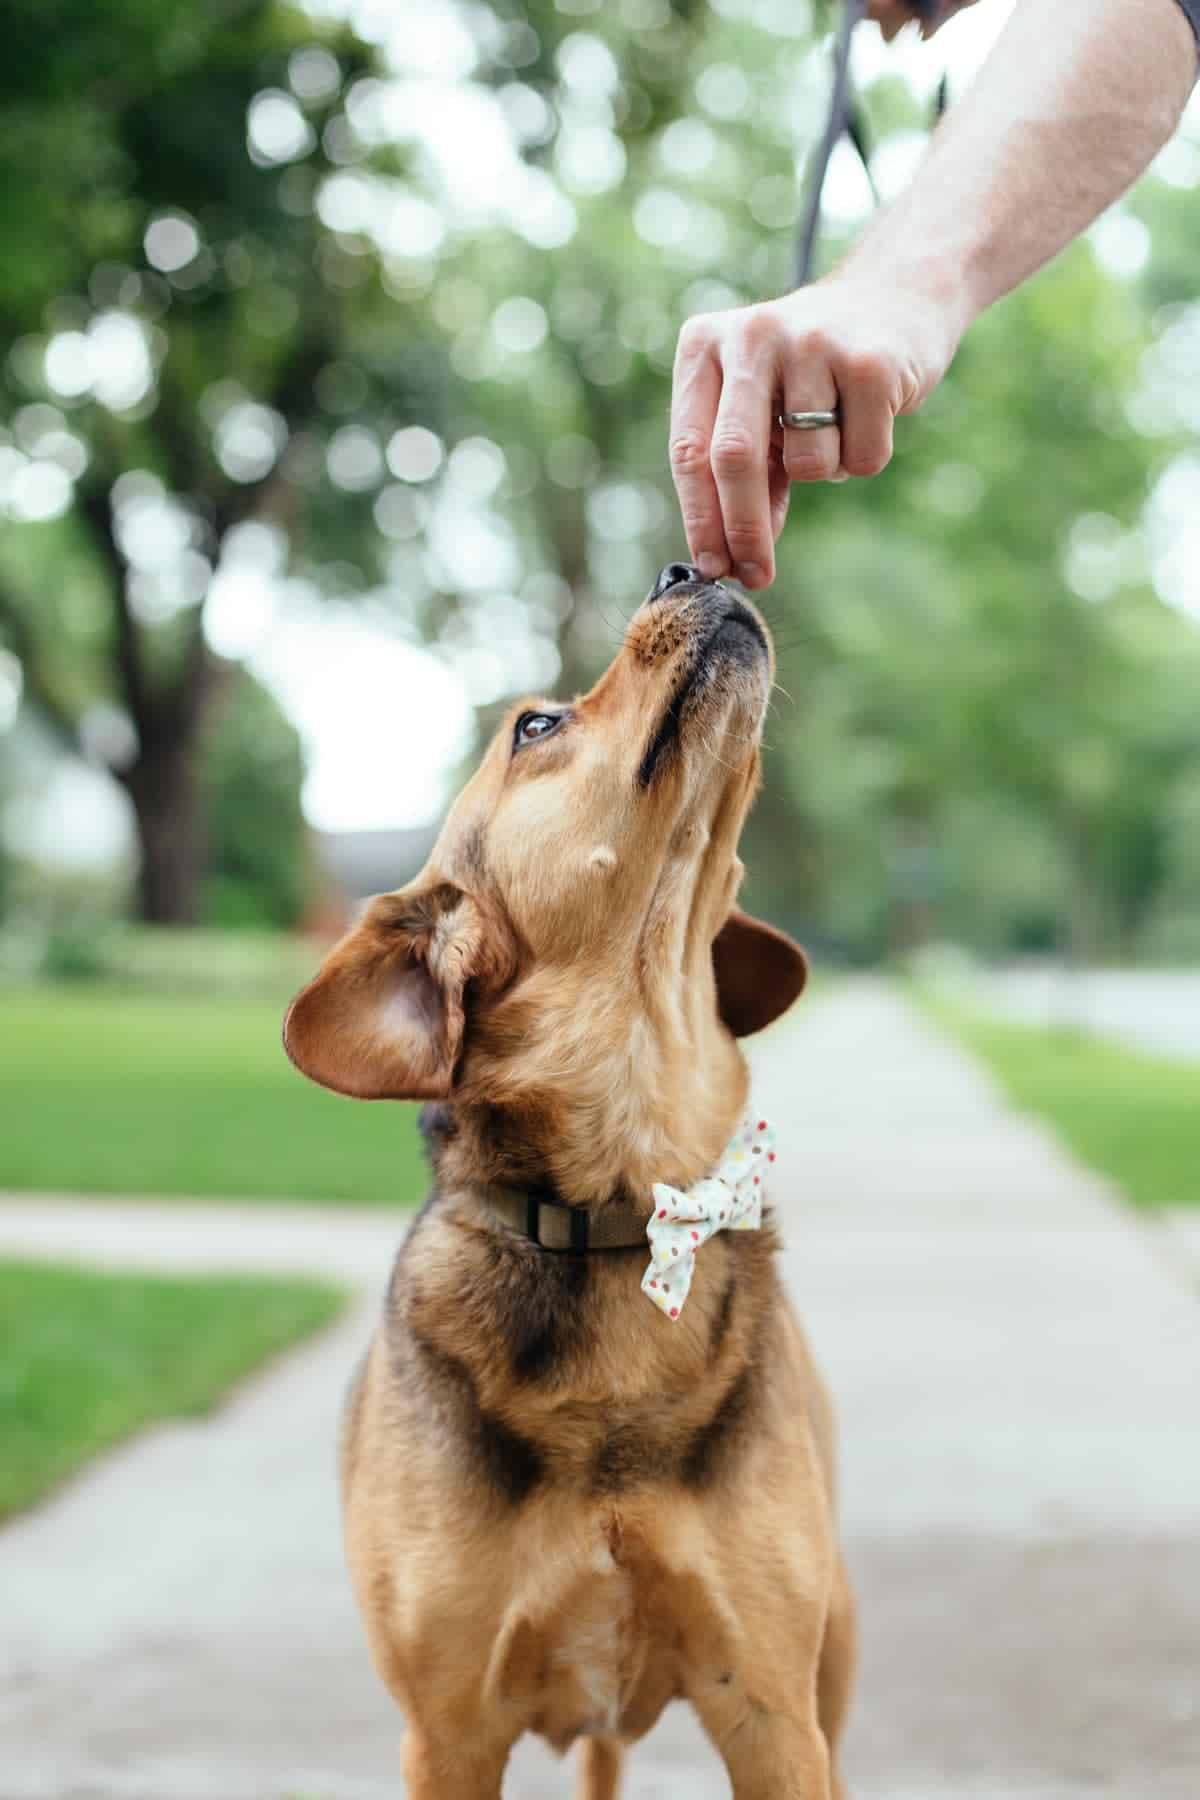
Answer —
1073 103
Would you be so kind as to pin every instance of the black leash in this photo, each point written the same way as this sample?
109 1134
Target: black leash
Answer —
836 121
838 124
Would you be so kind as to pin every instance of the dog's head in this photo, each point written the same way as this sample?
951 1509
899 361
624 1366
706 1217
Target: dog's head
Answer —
579 903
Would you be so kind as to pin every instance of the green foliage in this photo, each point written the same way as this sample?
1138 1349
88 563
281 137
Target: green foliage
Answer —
1173 932
108 1092
87 1358
117 124
74 952
257 840
985 706
988 712
214 962
1132 1117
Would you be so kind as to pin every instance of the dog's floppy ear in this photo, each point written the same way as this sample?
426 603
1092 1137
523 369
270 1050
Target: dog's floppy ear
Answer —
759 971
383 1019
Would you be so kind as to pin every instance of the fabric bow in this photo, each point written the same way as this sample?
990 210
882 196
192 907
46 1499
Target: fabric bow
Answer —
730 1199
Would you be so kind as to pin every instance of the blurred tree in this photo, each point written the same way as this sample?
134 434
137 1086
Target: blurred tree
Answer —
398 311
250 773
972 637
187 334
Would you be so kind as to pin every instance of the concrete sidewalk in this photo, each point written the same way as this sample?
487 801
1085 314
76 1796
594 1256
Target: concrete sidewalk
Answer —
1016 1362
1016 1366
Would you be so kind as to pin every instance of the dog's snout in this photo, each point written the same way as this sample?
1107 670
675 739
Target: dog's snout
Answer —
673 576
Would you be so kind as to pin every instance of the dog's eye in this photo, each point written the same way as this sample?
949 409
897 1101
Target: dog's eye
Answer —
533 725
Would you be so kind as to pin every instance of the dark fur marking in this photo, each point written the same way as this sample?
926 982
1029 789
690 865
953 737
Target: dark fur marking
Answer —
535 1297
711 1445
472 854
505 1150
438 1127
722 1318
630 1454
739 646
667 735
512 1465
538 1298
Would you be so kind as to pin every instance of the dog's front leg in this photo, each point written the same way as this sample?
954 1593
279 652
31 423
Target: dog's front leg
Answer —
600 1769
773 1757
435 1771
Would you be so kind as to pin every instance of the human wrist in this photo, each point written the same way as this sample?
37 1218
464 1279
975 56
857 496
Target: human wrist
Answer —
942 285
926 302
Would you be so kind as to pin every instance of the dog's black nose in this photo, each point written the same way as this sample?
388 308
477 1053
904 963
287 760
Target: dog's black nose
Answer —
674 575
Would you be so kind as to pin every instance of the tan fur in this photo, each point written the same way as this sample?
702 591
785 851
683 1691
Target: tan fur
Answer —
563 1510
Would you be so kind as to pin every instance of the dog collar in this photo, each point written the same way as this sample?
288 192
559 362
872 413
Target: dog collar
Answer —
553 1225
730 1199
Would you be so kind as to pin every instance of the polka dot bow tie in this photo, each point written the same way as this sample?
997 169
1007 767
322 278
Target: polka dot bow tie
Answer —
730 1199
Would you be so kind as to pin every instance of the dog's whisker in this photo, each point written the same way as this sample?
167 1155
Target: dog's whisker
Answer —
616 632
787 644
619 633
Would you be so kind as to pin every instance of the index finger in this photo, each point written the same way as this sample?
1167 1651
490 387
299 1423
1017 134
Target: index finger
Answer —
695 397
740 453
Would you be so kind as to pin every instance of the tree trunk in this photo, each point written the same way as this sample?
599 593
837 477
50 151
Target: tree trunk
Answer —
164 789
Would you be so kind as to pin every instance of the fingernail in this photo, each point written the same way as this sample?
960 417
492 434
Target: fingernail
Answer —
711 565
752 574
842 475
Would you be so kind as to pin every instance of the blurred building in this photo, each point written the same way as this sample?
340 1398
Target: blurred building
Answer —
354 864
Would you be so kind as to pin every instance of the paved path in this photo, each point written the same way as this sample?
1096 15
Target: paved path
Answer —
1016 1365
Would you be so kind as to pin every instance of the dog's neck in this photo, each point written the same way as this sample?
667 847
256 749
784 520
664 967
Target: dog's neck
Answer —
478 1146
589 1125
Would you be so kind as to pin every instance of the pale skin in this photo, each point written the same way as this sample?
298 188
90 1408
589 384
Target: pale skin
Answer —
1076 99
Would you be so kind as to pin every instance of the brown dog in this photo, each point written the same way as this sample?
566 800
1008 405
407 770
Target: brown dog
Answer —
564 1509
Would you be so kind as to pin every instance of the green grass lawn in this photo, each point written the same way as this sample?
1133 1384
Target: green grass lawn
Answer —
102 1091
1129 1115
86 1358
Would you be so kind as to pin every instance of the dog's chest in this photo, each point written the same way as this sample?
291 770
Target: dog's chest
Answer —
573 1653
589 1662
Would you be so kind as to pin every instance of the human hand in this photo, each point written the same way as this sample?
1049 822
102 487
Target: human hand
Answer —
893 15
857 341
